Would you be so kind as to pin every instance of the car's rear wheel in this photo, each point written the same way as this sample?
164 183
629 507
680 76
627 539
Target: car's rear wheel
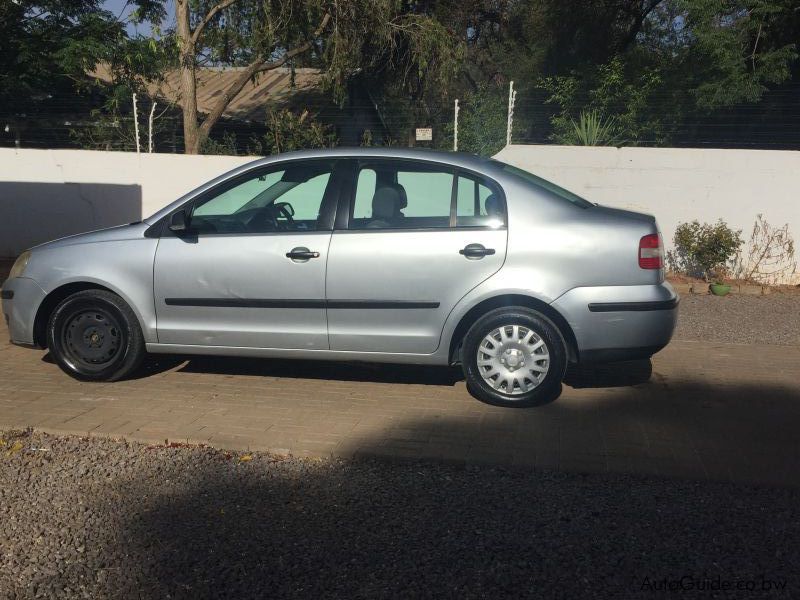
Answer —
94 335
514 356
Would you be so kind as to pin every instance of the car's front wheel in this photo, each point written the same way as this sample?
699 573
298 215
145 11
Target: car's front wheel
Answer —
94 335
514 356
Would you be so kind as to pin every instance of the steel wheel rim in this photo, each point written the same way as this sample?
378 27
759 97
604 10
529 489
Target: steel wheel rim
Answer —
513 359
92 339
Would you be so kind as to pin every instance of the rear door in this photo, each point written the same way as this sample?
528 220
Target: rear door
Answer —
414 238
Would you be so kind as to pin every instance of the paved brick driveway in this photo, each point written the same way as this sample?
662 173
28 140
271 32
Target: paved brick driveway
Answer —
706 411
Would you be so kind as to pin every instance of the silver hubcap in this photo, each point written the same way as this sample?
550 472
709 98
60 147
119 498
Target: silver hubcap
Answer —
513 359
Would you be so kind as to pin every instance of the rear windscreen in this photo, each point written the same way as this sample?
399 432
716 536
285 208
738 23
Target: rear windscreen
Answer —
544 184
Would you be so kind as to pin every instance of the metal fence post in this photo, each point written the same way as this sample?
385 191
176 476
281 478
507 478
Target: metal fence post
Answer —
455 128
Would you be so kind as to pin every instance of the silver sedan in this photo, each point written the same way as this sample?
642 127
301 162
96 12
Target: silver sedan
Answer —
382 255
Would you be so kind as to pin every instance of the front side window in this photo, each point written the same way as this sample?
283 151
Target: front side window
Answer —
402 195
285 198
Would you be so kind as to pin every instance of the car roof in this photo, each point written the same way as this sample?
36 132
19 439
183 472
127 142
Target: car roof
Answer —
455 158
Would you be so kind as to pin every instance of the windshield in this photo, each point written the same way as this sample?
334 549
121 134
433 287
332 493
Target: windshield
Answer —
543 183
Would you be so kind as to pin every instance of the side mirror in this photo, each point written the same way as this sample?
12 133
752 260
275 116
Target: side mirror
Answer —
179 222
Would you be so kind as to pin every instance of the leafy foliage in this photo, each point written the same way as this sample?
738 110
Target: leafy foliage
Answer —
287 131
227 145
47 44
738 48
615 102
704 250
481 123
654 72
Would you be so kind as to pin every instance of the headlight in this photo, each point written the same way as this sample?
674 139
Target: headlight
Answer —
19 266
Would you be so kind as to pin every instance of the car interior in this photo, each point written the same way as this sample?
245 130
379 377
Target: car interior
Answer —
388 196
273 207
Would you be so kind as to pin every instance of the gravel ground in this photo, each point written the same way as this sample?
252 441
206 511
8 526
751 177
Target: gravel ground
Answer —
740 319
105 519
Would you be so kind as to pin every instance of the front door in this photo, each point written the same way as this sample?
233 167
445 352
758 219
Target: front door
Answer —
418 237
250 269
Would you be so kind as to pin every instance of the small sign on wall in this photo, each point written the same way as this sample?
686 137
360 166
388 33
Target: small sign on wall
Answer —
424 134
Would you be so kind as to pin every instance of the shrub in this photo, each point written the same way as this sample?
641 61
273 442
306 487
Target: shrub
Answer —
287 131
704 250
770 256
591 129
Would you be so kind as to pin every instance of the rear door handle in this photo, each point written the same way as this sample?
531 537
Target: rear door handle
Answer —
476 251
301 253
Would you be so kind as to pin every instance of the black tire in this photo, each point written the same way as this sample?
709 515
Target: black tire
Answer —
548 387
95 336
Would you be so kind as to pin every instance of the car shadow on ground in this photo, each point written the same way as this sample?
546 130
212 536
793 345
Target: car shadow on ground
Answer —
271 527
620 374
303 369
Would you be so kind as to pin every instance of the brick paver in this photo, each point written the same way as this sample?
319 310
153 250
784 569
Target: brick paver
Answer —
707 411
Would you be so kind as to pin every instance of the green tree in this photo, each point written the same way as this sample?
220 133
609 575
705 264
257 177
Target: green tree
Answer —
688 59
343 38
49 47
615 101
738 48
481 122
46 45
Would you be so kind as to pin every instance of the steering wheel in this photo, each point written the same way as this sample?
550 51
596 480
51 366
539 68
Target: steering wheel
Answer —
284 209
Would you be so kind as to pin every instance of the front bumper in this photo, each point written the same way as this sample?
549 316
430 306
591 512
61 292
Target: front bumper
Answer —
620 322
22 297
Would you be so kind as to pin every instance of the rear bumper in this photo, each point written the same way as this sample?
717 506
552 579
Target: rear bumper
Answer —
21 299
620 322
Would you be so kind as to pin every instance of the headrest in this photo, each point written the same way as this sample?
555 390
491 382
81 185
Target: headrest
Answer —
385 202
403 195
493 206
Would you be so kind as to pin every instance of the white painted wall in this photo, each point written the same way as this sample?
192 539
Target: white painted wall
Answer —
46 194
676 184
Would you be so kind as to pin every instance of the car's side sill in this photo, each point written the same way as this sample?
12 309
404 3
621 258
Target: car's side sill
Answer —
29 345
338 355
633 306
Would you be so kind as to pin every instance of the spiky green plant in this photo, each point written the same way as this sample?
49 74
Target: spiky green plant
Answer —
591 129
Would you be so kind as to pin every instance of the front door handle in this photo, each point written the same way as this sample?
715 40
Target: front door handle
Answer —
301 254
476 251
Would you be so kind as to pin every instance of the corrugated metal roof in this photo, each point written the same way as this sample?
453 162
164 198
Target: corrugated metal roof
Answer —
270 88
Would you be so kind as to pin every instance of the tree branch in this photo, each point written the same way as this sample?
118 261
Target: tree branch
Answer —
211 14
639 18
257 66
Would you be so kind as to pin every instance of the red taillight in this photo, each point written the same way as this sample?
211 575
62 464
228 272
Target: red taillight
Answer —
651 252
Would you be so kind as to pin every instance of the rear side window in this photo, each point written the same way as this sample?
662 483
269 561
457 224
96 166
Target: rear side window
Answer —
411 195
402 196
428 194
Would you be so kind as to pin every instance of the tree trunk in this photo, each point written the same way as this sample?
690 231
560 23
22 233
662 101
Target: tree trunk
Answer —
191 135
195 133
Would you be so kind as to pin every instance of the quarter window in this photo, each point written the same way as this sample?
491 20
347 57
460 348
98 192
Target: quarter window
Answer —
477 205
